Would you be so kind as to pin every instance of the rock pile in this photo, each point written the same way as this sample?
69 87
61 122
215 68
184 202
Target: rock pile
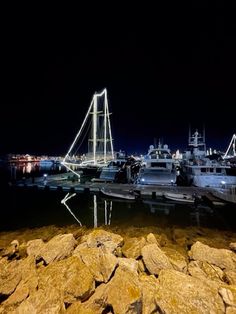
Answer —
98 271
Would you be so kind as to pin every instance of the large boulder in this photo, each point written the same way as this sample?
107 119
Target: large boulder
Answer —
223 258
181 293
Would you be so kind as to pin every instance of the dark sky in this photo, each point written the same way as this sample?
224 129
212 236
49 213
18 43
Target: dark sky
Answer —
162 73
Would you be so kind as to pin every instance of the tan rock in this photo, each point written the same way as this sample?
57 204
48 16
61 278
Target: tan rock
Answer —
229 295
43 301
9 276
223 258
155 259
181 293
99 237
100 262
230 310
149 286
34 247
232 246
128 264
230 277
133 246
58 248
70 276
122 293
28 283
177 260
151 239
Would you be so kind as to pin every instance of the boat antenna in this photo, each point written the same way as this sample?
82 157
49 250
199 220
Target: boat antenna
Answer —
203 132
189 133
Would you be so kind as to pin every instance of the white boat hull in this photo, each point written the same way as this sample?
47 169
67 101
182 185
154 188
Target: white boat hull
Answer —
156 177
214 181
182 197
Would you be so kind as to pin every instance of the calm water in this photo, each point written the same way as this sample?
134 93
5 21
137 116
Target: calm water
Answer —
29 207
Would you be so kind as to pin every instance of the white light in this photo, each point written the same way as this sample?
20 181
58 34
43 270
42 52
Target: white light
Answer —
45 175
142 179
223 182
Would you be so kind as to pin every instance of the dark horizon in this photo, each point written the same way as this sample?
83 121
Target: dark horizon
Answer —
160 78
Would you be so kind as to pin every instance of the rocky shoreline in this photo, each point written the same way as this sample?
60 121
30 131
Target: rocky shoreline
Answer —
114 270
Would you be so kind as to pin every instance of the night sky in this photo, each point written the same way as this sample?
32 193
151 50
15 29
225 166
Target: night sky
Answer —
162 73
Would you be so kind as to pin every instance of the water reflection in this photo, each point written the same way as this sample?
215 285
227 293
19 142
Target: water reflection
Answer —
107 209
64 200
17 170
140 213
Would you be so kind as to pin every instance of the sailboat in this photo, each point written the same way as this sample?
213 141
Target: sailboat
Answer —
96 127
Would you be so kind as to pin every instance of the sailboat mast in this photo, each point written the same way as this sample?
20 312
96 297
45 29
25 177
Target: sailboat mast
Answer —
109 126
94 128
105 125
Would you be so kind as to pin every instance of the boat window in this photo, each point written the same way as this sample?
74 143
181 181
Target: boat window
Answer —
203 170
218 170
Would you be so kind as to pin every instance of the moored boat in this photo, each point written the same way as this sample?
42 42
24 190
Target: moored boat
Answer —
119 193
199 170
180 197
158 167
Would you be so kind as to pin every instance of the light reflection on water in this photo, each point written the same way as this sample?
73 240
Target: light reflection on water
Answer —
32 169
30 208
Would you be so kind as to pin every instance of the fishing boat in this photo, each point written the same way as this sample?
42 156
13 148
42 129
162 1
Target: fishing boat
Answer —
96 127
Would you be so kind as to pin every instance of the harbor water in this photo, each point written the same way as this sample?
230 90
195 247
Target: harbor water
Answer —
24 207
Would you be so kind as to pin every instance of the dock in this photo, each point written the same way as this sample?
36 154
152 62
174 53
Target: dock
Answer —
63 182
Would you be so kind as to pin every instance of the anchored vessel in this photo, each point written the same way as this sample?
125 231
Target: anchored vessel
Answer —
158 167
199 170
97 126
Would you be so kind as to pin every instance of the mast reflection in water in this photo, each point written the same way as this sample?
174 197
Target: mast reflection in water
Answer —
29 208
